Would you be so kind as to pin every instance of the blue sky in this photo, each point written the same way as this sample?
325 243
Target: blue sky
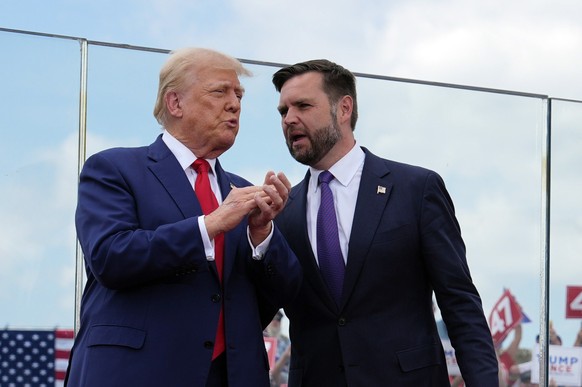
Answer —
524 45
528 46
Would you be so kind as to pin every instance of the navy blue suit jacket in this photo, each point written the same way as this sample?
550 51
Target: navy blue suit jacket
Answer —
405 243
152 300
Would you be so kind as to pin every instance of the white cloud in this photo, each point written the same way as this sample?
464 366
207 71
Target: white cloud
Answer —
529 46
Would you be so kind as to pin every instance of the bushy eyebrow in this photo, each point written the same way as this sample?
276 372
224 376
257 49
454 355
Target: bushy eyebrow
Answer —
220 84
283 108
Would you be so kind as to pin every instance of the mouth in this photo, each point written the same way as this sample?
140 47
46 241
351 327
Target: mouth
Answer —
296 137
232 123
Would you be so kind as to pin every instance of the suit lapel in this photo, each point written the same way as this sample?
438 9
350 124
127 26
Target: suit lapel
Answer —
232 237
168 171
373 194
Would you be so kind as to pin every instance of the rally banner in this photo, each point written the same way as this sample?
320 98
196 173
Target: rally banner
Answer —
574 302
564 365
505 316
271 347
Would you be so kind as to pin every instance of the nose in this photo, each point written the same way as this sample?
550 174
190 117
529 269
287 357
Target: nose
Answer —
234 102
290 118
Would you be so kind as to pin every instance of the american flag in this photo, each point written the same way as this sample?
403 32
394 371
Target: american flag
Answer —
36 358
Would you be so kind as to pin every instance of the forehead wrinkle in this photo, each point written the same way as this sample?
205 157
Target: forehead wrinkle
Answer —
229 84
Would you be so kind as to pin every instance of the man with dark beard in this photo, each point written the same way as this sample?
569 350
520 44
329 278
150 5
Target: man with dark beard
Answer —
375 238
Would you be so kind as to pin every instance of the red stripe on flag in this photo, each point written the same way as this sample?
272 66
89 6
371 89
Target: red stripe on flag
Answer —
64 334
60 354
63 343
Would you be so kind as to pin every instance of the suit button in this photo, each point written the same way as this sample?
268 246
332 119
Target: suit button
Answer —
208 344
215 298
341 321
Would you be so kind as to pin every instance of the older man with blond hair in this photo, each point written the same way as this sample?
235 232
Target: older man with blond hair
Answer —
185 267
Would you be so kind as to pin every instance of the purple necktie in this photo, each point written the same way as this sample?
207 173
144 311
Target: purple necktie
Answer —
329 253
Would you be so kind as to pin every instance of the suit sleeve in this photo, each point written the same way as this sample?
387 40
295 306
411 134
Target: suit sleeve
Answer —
458 299
119 251
278 277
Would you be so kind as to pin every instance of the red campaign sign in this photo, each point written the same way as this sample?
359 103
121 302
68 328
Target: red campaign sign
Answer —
506 314
271 347
574 302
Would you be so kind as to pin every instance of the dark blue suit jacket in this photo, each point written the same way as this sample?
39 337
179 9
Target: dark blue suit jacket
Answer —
405 243
151 303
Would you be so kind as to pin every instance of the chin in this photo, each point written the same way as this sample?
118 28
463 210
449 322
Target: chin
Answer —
225 146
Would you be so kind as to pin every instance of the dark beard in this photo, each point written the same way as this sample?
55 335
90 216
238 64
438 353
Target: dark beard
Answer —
322 140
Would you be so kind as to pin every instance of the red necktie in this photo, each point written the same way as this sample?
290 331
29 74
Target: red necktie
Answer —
208 203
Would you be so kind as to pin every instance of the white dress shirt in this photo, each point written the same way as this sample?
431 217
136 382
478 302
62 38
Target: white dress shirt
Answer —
348 174
186 158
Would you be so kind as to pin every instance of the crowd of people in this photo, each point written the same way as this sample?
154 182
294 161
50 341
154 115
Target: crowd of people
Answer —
515 359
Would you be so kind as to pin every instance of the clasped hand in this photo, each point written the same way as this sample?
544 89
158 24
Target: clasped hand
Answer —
261 203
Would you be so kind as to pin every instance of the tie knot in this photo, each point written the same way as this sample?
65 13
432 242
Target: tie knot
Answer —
325 177
201 166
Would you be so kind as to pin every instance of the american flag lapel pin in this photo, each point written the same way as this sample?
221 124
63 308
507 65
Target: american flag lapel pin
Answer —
381 190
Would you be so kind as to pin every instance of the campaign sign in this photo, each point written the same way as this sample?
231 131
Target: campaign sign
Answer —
506 314
271 347
452 365
574 302
564 365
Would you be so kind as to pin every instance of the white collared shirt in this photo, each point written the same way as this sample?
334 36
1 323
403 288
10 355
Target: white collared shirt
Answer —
348 174
186 158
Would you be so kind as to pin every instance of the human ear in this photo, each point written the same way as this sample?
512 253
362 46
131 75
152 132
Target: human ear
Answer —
346 107
173 103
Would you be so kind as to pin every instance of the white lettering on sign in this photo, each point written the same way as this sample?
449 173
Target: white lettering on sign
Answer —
498 324
576 303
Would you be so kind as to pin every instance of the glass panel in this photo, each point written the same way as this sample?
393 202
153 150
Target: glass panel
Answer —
121 93
38 178
487 148
566 219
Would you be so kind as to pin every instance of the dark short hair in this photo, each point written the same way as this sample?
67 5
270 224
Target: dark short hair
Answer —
337 81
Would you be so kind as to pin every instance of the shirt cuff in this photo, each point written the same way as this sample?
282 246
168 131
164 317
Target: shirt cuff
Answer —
259 251
208 244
